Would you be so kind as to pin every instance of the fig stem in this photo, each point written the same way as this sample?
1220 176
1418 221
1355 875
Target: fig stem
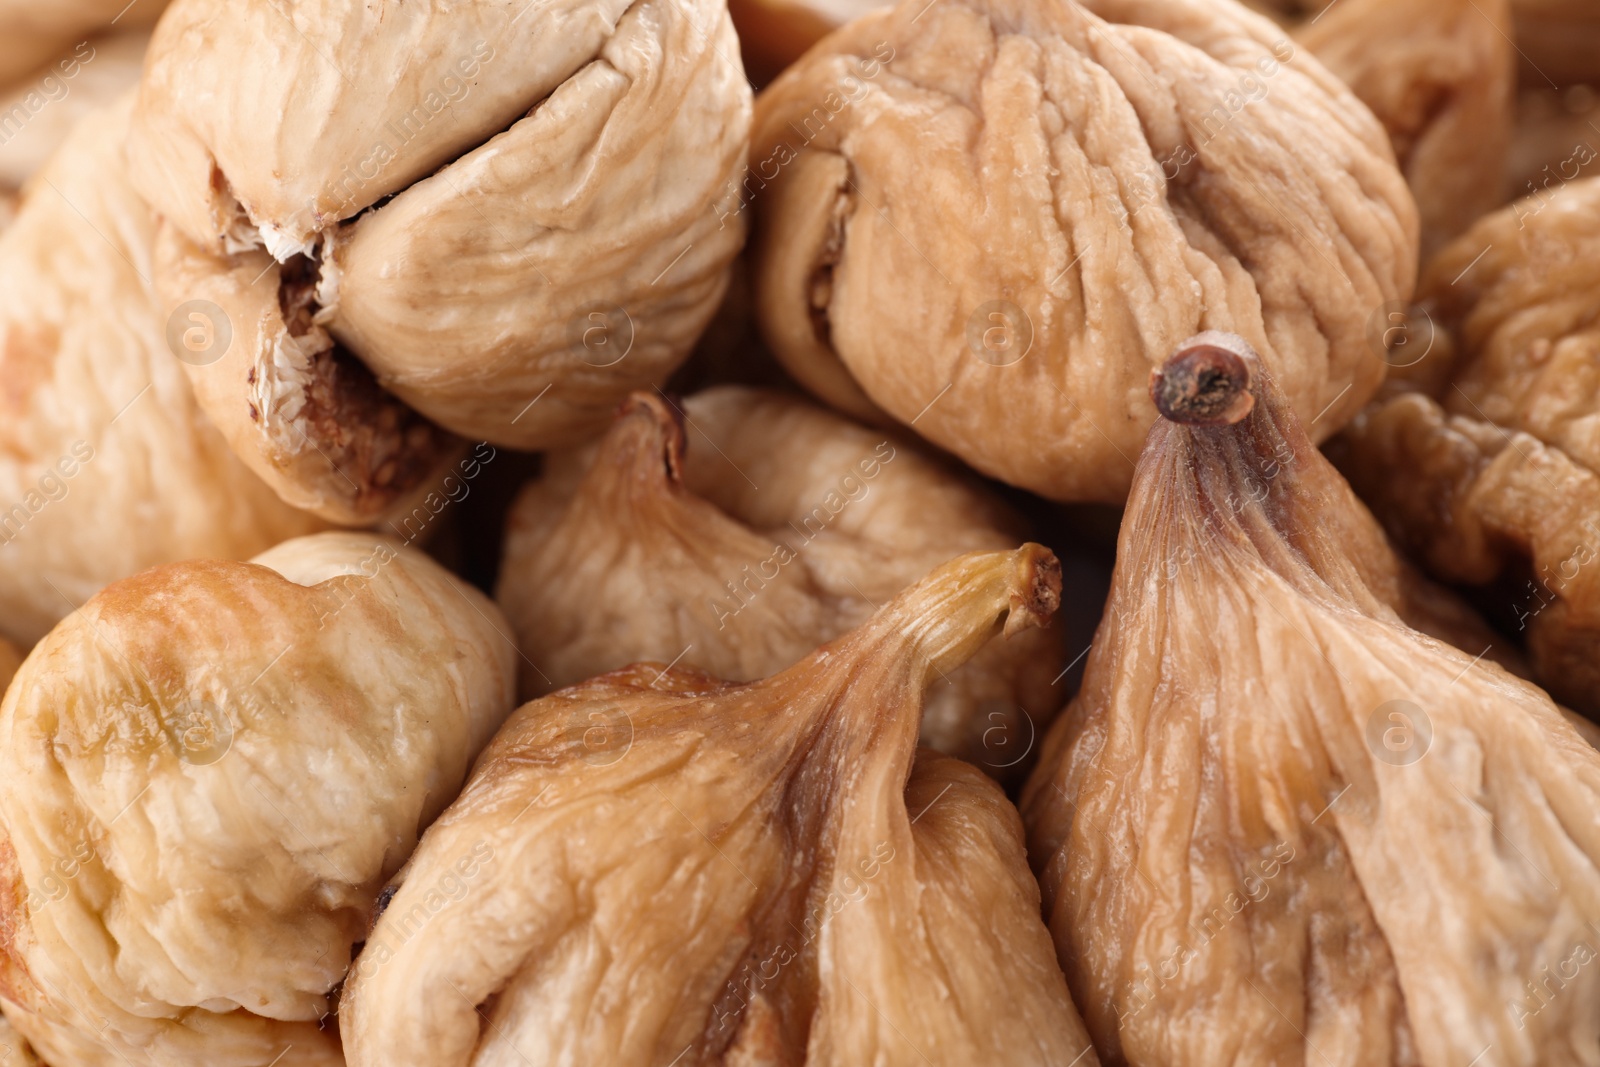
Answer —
1206 382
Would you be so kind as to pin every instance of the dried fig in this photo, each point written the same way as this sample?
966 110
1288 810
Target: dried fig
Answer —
819 893
989 221
1440 75
781 528
775 33
210 771
479 203
33 35
1514 300
1279 826
14 1051
1478 505
107 465
39 109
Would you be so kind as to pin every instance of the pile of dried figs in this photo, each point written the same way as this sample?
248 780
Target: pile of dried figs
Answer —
800 533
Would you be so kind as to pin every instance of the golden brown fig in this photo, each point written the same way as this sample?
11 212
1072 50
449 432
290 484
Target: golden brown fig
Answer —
1440 75
775 33
988 221
39 109
739 532
107 465
33 35
1279 826
1514 298
657 867
209 773
481 203
1477 504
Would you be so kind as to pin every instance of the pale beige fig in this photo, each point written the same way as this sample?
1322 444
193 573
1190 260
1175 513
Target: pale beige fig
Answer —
1277 825
510 215
1559 41
741 530
658 867
209 773
1478 506
1512 302
107 464
989 221
1441 77
40 108
34 35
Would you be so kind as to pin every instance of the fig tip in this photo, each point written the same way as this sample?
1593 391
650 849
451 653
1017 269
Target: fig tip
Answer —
662 419
1038 594
1206 382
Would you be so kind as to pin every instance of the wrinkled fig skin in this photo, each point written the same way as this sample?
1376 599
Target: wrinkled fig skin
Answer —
207 775
33 34
819 893
96 415
1245 858
625 552
89 75
1518 343
1440 75
480 187
1474 503
928 175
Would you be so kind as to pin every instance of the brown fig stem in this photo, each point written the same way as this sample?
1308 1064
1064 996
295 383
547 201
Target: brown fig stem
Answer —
1206 382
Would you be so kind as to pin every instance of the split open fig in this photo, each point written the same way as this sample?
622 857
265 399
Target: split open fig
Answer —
656 866
209 772
487 220
737 530
1278 824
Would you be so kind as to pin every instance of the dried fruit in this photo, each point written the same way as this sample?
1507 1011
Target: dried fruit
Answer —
14 1051
107 466
1440 75
1512 299
780 528
1277 825
34 34
210 771
990 221
775 33
39 109
481 204
1481 506
817 891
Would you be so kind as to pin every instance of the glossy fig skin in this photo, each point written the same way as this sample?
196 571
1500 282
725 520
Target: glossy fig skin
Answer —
1475 504
470 185
737 530
208 774
819 892
97 418
989 221
1278 825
